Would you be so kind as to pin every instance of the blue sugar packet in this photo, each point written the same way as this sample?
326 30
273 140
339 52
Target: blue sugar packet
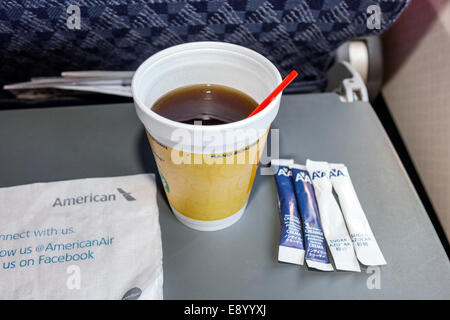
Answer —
315 245
291 249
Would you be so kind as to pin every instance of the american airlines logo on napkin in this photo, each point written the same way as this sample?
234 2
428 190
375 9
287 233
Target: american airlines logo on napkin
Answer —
126 195
91 198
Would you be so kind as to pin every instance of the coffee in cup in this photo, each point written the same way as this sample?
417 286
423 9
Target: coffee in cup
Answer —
206 184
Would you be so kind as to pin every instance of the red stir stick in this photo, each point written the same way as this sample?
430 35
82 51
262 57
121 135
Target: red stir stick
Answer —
291 76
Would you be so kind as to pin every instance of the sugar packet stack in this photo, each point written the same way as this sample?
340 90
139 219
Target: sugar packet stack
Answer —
321 217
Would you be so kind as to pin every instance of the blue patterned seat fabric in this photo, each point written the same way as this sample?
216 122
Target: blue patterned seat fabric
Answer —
119 34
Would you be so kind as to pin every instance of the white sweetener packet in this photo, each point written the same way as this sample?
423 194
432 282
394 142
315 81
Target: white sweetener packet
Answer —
333 223
366 246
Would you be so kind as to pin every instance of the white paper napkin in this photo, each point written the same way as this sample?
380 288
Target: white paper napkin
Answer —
95 238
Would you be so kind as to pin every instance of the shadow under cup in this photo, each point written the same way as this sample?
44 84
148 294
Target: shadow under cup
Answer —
207 171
